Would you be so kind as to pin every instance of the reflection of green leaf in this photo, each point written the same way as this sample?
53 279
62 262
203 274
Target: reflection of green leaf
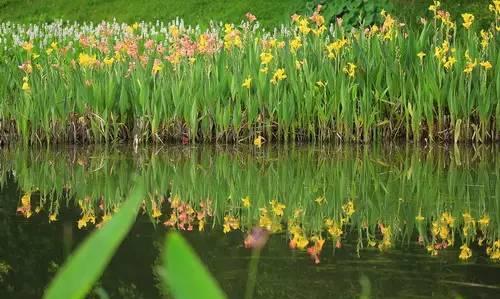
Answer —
184 273
84 267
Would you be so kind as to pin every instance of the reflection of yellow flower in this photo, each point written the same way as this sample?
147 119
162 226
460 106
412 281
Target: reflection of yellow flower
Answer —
277 207
386 242
320 200
333 228
298 239
486 65
348 208
85 219
321 83
465 252
432 250
230 223
484 221
246 202
156 212
25 207
53 217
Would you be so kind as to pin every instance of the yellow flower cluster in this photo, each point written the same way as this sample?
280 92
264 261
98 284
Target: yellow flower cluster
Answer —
230 223
258 141
155 209
469 224
298 238
465 252
86 60
350 69
334 229
25 208
26 86
277 207
246 202
247 83
445 54
295 44
468 20
386 242
441 15
87 213
442 227
388 28
471 64
493 251
334 48
271 224
232 37
279 75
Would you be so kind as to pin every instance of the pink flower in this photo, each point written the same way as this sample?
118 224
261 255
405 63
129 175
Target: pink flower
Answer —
250 17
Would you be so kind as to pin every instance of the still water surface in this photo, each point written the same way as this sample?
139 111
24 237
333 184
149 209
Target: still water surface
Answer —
404 188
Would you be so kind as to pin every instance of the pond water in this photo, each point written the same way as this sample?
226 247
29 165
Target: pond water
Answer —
396 221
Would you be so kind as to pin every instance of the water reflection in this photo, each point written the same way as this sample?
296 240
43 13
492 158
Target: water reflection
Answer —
423 219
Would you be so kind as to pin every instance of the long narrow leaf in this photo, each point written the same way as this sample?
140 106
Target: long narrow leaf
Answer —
82 269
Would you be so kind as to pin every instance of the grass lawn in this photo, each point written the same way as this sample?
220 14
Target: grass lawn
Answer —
270 13
192 11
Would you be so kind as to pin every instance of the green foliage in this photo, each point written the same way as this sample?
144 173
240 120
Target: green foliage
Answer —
353 12
83 268
184 274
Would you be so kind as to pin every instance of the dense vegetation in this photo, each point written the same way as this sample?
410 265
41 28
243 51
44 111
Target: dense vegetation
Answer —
307 81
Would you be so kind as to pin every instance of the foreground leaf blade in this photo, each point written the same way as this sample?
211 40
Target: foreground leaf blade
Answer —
84 267
185 274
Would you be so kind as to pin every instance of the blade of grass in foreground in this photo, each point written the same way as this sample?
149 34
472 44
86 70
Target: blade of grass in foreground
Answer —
84 267
185 274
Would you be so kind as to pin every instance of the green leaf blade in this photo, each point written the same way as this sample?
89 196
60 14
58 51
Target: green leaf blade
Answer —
185 274
85 266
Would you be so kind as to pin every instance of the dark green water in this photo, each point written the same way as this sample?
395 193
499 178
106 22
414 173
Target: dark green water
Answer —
388 185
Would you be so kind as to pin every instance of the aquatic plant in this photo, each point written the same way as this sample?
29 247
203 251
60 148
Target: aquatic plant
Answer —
154 82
